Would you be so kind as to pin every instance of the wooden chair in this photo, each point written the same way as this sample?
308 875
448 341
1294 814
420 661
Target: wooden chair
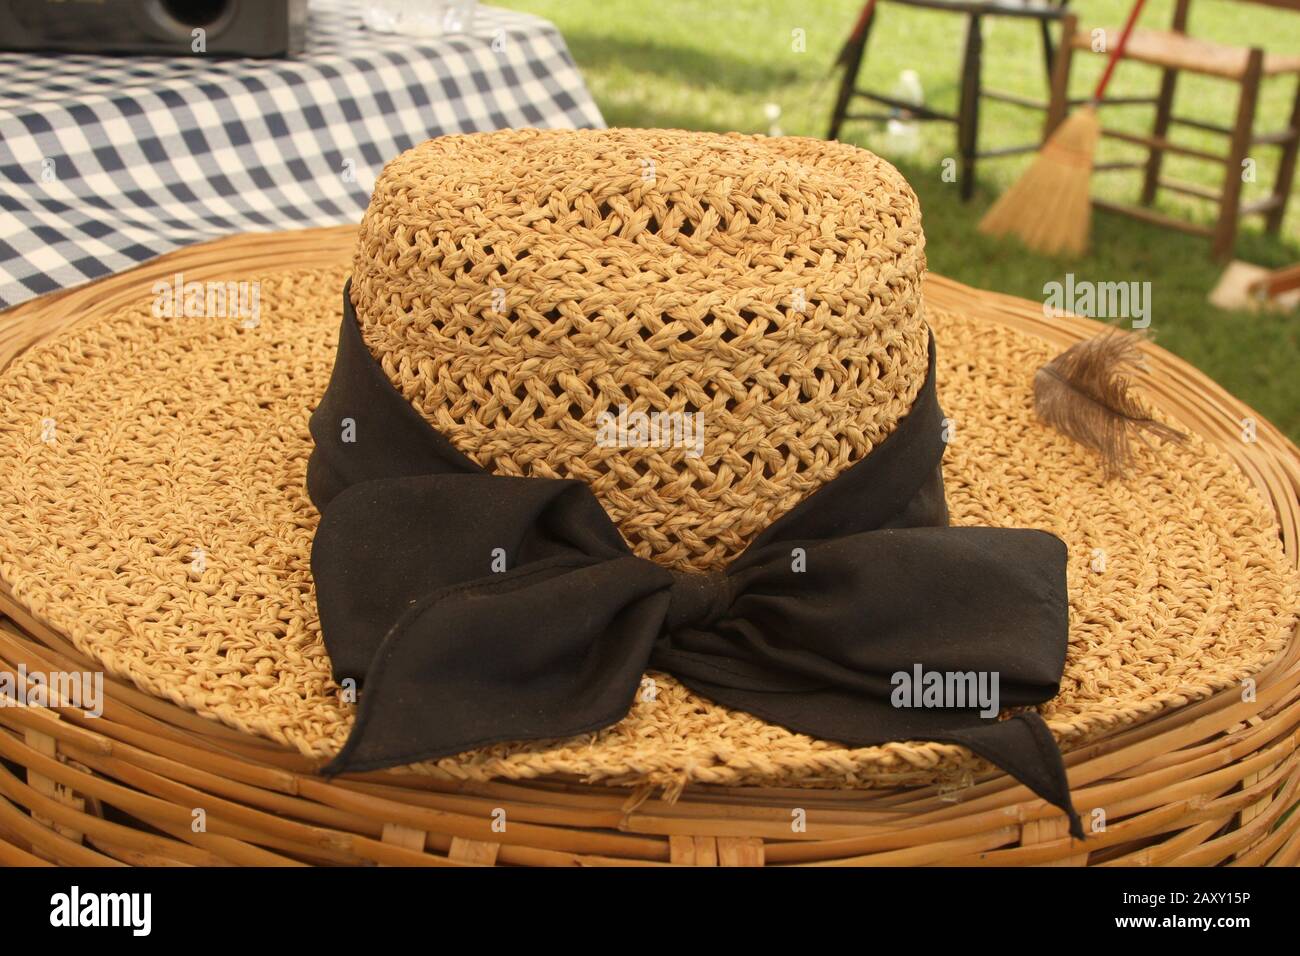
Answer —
1174 51
967 117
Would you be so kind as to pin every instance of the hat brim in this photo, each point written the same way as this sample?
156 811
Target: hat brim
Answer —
152 488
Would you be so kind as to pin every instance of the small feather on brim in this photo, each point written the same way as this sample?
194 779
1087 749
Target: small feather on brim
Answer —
1085 393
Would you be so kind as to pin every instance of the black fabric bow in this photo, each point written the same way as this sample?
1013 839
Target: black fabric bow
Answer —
861 581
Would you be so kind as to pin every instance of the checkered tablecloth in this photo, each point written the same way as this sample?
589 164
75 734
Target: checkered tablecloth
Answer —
106 162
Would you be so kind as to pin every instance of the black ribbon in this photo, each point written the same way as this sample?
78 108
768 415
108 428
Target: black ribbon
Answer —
450 655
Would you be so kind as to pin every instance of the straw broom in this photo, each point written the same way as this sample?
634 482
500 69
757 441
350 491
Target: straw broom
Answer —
1050 207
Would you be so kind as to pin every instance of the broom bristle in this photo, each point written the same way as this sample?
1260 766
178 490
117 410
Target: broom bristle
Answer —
1049 207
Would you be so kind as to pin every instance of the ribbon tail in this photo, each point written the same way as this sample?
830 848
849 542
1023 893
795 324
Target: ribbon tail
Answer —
986 605
470 609
1024 747
545 652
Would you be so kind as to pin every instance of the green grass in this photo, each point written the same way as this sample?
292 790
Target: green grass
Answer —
696 65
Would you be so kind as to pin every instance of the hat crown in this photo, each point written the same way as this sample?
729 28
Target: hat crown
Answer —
703 328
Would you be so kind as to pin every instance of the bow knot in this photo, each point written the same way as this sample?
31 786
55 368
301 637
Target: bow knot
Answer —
697 599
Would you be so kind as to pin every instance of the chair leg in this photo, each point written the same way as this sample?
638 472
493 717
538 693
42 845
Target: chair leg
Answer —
1159 130
1285 169
853 51
1058 97
1045 29
1225 231
968 116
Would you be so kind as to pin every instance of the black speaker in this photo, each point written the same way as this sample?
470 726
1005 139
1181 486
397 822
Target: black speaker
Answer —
174 27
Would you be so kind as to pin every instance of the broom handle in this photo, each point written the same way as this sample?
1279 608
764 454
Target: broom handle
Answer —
868 9
1118 51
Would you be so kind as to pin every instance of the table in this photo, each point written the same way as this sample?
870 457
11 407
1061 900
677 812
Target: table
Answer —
107 162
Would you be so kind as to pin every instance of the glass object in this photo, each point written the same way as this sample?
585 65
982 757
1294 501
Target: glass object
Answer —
903 130
419 18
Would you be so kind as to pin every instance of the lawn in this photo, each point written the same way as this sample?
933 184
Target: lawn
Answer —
717 65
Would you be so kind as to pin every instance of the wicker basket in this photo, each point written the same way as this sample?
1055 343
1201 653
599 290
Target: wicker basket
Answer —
151 784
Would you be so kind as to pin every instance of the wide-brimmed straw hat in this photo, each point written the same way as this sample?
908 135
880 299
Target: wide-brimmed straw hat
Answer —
671 397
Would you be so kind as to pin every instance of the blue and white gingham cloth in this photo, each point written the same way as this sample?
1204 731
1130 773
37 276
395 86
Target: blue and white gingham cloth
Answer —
108 161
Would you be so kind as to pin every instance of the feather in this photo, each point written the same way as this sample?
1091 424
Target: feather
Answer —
1084 393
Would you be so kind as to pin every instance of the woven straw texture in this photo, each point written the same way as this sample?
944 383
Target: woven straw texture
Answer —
1206 783
172 435
518 285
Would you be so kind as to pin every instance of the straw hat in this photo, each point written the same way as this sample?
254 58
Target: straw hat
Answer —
513 288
